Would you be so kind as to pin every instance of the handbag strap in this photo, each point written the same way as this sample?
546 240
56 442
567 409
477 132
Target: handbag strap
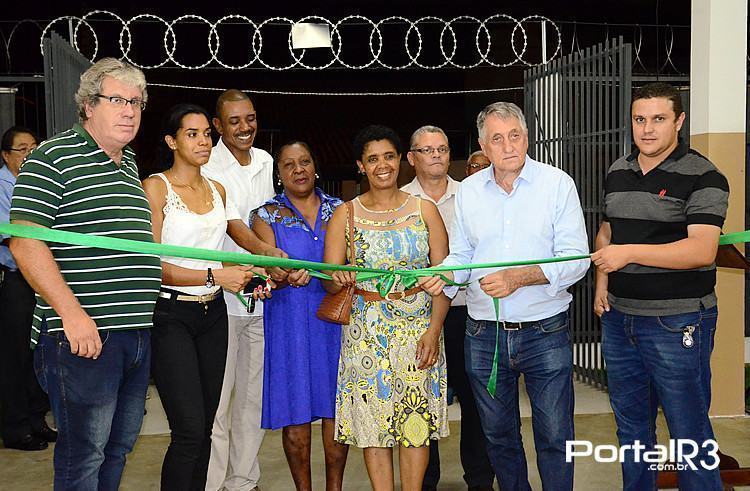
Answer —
350 218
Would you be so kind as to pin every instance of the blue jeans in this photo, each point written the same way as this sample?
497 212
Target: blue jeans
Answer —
98 405
542 353
650 361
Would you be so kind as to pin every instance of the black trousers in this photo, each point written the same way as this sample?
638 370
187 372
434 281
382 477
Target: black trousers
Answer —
24 404
473 446
189 351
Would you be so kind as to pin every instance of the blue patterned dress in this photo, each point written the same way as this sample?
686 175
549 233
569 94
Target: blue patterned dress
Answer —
301 351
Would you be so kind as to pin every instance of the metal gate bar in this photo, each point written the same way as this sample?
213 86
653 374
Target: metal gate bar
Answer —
578 114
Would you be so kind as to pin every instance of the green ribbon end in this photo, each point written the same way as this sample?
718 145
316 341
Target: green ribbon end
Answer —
492 382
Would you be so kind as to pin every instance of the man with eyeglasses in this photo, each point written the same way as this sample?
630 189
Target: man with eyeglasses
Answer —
429 154
23 402
94 307
476 162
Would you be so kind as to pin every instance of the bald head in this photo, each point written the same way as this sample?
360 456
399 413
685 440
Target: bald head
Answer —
231 95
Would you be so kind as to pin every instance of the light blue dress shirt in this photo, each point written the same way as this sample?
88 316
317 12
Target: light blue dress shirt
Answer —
7 181
540 218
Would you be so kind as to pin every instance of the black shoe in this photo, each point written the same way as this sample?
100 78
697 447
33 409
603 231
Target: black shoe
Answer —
28 442
481 488
47 434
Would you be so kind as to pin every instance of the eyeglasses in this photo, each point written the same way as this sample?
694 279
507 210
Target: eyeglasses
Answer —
442 150
122 102
475 165
24 151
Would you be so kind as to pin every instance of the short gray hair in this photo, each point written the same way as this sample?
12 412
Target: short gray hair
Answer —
503 110
422 131
91 82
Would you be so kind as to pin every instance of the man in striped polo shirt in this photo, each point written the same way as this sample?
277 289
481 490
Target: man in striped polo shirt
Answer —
665 205
94 307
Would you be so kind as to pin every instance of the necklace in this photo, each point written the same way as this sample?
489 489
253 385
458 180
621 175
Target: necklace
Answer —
205 193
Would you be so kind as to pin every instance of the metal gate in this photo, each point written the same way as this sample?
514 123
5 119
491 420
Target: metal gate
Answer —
578 114
63 66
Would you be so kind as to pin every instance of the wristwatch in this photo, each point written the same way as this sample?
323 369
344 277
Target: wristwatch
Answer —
210 283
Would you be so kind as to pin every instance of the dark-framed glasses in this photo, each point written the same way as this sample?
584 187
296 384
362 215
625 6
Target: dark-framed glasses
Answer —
122 102
25 151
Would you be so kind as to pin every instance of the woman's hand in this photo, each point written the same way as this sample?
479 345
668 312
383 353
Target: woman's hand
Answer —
433 284
344 279
233 278
428 348
264 292
299 277
278 274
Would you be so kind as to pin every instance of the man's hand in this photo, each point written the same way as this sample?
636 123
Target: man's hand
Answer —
611 258
601 303
501 283
84 339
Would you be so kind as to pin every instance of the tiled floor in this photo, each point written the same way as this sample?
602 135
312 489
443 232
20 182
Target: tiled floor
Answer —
594 422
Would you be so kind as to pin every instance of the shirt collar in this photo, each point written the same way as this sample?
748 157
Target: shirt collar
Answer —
284 199
227 157
78 128
680 151
85 135
528 171
415 188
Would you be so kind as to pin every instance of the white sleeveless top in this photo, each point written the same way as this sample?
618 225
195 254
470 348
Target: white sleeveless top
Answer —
183 227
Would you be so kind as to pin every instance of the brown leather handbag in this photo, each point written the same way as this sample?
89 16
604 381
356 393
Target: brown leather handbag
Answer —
337 307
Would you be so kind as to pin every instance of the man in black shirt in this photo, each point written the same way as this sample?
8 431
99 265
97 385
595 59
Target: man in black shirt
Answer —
665 205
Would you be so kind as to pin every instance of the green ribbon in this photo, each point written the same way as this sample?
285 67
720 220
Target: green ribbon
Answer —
386 278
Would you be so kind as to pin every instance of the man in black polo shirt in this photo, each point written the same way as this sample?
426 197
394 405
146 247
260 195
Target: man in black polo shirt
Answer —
664 208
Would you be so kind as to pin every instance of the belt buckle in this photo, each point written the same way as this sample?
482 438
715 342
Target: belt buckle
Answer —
398 295
506 323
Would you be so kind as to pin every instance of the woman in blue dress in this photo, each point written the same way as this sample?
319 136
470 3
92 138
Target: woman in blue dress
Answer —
301 351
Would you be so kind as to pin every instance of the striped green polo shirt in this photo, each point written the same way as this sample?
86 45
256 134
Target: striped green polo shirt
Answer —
68 183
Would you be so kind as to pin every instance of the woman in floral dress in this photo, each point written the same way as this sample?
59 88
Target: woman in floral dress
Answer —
391 379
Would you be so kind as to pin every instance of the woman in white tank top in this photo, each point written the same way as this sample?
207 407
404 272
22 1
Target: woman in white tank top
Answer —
189 338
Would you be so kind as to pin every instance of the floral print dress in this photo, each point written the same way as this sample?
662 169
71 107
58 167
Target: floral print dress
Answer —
382 398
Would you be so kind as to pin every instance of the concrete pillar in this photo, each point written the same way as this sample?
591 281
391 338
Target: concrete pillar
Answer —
718 85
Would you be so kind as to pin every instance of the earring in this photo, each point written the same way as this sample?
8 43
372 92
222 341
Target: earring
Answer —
278 181
317 176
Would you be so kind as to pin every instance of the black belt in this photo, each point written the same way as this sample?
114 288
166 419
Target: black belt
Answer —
517 326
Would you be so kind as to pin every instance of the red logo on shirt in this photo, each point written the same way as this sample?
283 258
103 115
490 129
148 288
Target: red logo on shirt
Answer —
662 193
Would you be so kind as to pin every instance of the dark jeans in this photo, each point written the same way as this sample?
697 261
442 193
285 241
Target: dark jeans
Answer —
649 363
98 405
23 401
473 447
190 350
542 353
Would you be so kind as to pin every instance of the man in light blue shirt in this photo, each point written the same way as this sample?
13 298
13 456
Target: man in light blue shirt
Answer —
23 402
519 209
